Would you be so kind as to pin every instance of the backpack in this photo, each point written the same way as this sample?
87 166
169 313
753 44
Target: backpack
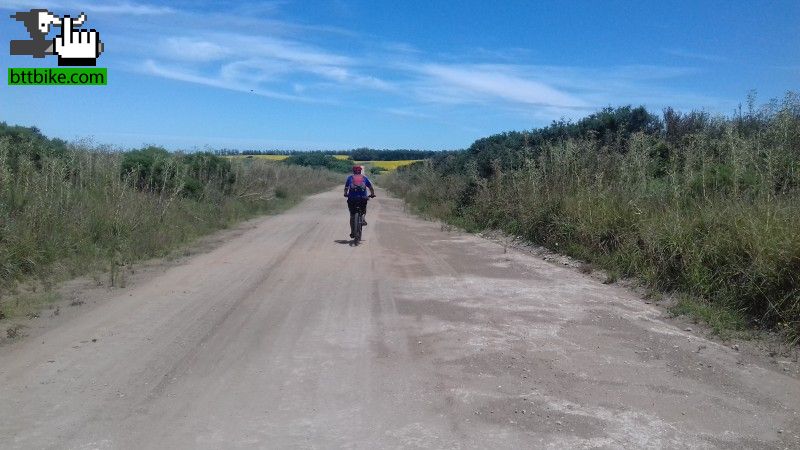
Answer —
358 184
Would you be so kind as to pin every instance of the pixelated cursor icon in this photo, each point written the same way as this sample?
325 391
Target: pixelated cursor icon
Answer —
77 47
74 46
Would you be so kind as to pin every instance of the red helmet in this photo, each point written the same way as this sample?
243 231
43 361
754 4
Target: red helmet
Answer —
356 169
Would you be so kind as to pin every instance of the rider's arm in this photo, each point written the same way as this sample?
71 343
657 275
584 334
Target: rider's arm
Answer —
371 189
347 186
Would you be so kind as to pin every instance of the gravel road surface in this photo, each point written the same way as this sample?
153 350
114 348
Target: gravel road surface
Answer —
288 336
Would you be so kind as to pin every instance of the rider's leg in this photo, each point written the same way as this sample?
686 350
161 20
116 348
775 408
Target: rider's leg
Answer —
352 207
364 212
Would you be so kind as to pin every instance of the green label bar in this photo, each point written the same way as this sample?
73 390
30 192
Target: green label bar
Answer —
57 76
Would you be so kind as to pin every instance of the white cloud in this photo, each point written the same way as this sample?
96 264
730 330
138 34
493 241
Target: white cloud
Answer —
253 71
469 83
290 51
151 67
408 112
295 62
267 59
346 78
135 9
202 46
190 49
695 55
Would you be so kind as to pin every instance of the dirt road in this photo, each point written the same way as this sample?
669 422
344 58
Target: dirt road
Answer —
288 337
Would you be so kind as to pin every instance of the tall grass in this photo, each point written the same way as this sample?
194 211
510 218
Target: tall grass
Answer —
707 207
84 209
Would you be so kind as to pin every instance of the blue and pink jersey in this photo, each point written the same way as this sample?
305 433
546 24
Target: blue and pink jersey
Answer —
357 186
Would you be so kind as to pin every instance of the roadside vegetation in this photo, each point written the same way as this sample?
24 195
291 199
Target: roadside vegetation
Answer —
704 207
68 210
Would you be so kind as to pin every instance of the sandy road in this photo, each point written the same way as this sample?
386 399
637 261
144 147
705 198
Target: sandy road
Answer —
284 337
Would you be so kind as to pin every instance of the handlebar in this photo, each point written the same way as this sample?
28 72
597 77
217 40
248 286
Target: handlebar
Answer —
371 196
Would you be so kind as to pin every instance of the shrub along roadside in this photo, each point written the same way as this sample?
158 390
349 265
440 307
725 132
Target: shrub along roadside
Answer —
707 208
320 160
80 209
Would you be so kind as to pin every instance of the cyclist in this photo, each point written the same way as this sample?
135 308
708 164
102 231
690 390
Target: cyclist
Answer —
355 189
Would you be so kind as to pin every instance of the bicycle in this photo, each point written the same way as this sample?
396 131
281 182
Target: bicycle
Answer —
357 221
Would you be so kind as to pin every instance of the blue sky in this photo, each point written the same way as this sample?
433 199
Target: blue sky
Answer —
401 74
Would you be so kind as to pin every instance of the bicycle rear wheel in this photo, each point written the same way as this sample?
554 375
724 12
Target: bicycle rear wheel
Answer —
357 224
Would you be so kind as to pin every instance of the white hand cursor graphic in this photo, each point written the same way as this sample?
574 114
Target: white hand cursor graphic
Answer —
75 46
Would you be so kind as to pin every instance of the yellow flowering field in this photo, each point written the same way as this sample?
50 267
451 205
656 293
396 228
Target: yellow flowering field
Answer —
272 157
389 165
386 165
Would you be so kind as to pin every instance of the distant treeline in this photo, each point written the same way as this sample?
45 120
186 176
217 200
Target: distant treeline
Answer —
320 160
703 206
359 154
369 154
